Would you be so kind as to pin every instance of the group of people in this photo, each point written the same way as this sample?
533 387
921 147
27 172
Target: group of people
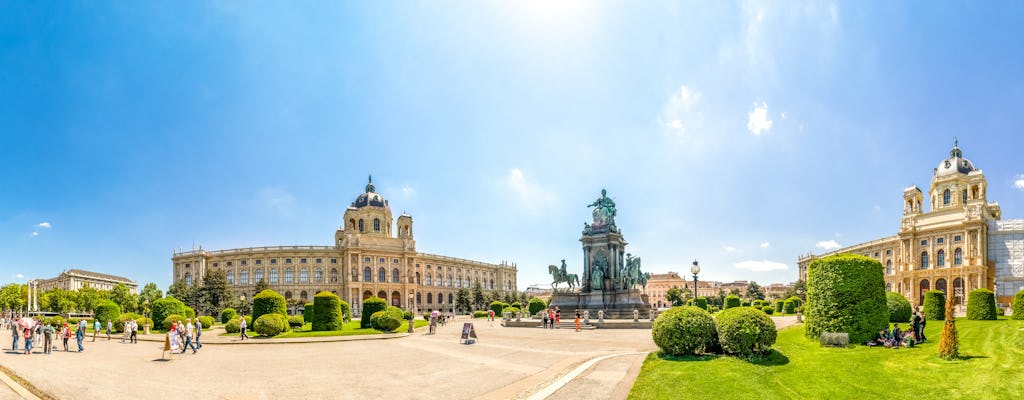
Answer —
552 318
439 318
35 333
188 334
897 337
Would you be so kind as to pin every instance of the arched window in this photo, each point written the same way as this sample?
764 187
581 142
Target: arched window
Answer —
440 298
257 275
945 197
888 267
427 279
924 260
492 284
430 298
303 275
924 288
940 259
288 294
188 278
303 295
367 274
940 284
289 276
367 294
382 275
450 302
231 277
318 276
458 281
273 275
376 224
419 298
417 279
449 280
958 256
361 226
382 294
394 276
243 277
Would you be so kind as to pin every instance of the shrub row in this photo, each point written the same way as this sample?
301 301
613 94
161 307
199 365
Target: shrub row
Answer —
371 305
934 305
689 330
981 305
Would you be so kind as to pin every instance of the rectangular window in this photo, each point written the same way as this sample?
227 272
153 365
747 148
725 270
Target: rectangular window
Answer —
888 252
287 261
924 242
394 261
940 240
258 262
229 263
187 265
876 255
319 261
367 259
334 261
957 238
215 265
302 260
381 260
244 262
273 261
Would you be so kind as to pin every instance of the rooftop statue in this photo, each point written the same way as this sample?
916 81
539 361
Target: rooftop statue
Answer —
604 214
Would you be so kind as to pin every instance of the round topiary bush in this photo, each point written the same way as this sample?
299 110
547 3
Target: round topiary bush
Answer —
768 310
227 314
296 322
326 312
778 305
271 324
268 302
898 306
189 312
935 305
1018 305
233 325
307 312
732 301
536 305
479 314
143 321
387 320
170 320
789 306
107 311
745 331
846 293
745 304
497 306
165 307
516 304
684 330
370 306
207 321
981 305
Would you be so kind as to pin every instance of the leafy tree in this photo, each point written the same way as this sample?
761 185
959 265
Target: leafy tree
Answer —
675 296
800 287
124 298
187 294
754 291
11 298
261 286
150 294
88 298
734 292
214 293
59 300
462 299
478 295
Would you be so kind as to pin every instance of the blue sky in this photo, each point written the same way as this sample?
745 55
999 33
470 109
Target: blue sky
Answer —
740 134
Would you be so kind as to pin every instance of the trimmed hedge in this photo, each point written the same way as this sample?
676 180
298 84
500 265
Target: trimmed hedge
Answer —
207 321
326 312
165 307
1018 305
778 305
516 304
702 303
898 306
846 293
189 312
170 320
307 312
268 302
732 301
387 320
935 305
789 306
227 314
497 306
232 326
768 310
296 321
536 305
107 311
684 330
981 305
479 314
271 324
745 331
371 305
143 321
507 310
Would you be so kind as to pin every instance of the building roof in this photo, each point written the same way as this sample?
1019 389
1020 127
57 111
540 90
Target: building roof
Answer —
956 163
370 197
97 275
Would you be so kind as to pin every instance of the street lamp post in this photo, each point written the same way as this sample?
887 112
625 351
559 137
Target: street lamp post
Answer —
696 270
242 299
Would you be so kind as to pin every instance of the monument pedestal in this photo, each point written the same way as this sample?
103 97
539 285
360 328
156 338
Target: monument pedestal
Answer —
616 305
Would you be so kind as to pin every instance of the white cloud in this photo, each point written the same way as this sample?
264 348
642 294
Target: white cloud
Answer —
35 233
760 266
758 119
43 225
828 244
1019 183
408 192
531 195
20 276
679 114
765 245
877 208
729 248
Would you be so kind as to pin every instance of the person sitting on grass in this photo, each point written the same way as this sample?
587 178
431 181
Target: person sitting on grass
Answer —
878 340
908 339
897 335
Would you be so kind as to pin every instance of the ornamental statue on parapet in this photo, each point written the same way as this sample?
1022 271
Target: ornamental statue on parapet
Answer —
604 215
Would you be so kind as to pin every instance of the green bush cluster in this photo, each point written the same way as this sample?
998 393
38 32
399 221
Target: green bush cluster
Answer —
268 302
768 310
371 305
789 306
898 306
981 305
935 305
206 320
233 325
170 320
732 301
745 304
684 330
326 312
1000 311
535 305
143 321
779 304
271 324
56 320
107 311
165 307
846 293
123 318
745 331
296 322
507 310
189 312
702 303
307 312
497 306
227 314
387 320
516 304
1018 305
479 314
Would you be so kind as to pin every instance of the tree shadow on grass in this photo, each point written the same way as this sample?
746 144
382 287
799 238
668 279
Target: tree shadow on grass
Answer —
772 358
704 357
968 357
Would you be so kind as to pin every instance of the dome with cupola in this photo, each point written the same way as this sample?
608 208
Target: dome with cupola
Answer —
956 163
370 197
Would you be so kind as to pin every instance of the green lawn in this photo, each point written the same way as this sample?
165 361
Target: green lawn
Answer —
348 329
798 368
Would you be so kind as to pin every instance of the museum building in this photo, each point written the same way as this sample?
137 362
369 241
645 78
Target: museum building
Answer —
959 244
371 255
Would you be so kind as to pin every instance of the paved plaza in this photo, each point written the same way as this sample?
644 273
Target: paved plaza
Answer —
505 363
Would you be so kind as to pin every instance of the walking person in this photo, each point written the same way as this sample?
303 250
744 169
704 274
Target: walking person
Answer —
47 338
80 335
199 332
29 334
15 333
923 323
577 320
915 326
558 317
110 327
39 333
134 331
190 331
65 333
241 327
96 329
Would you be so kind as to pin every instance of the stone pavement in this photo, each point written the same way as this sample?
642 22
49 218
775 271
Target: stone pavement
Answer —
505 363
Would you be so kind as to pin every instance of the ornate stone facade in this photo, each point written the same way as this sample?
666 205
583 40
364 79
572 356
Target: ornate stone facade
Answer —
367 258
946 248
74 279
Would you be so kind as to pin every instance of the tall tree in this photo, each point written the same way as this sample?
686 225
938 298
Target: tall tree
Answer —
59 300
462 300
88 298
677 296
214 291
800 287
261 286
754 291
188 294
11 298
478 295
149 294
124 298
